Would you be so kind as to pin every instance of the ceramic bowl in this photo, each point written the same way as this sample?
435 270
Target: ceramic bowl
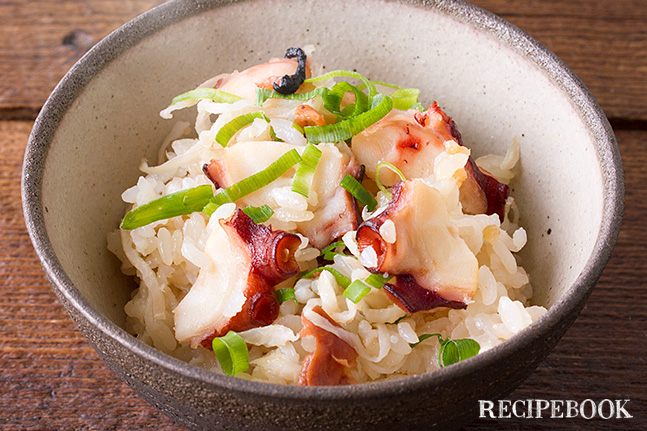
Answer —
492 78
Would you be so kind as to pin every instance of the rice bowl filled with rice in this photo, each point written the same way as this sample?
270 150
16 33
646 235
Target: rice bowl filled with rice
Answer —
307 230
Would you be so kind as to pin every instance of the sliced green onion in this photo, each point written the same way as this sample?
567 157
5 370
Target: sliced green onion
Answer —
298 128
231 352
393 169
358 191
332 102
285 294
207 93
357 290
262 94
306 170
259 214
383 84
346 74
452 351
405 98
253 182
228 131
174 204
377 280
341 279
380 106
328 253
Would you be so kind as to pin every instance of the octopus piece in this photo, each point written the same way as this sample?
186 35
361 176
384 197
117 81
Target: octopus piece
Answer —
335 211
411 140
236 290
245 83
432 264
330 362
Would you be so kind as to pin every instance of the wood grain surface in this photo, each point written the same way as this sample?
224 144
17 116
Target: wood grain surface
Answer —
52 379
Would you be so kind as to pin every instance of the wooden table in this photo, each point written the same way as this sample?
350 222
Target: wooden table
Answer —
53 380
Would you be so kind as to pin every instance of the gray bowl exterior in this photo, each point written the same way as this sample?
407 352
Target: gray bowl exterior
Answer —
200 399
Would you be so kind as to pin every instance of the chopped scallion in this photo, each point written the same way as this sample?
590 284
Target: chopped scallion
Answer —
231 352
259 214
253 182
298 128
207 93
333 100
328 253
393 169
377 280
405 98
452 351
358 191
285 294
341 279
306 170
174 204
346 74
228 131
262 94
380 106
357 290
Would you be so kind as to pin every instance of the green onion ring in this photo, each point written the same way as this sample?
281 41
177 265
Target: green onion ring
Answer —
357 291
381 105
356 189
285 294
332 102
393 169
341 279
306 169
228 131
259 214
263 94
377 280
174 204
231 352
207 93
254 182
346 74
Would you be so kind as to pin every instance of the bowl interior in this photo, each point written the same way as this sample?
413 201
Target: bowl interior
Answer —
494 94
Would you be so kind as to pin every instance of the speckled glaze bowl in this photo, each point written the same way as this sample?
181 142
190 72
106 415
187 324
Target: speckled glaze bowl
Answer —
492 78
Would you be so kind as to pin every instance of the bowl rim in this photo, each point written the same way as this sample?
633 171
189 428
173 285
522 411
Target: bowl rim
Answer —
160 17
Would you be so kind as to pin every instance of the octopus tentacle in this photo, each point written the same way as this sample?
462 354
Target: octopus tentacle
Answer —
329 363
236 292
432 264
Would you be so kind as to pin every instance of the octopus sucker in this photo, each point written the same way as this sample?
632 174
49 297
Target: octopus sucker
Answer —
236 292
272 251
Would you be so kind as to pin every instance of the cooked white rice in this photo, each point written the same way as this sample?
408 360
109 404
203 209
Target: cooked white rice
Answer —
166 257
